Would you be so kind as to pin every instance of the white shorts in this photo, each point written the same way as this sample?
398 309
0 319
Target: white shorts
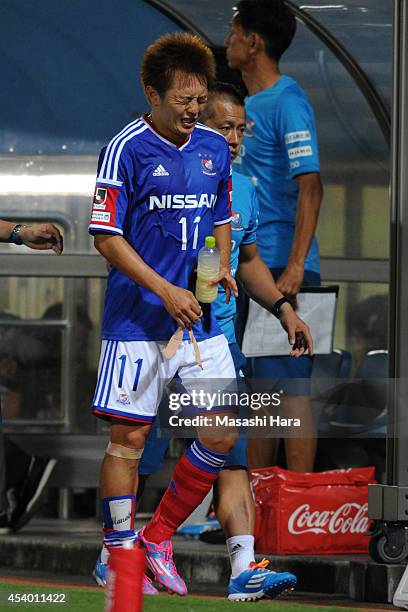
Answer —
132 375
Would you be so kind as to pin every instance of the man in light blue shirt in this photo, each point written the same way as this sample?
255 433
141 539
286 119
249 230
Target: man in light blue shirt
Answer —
280 154
280 146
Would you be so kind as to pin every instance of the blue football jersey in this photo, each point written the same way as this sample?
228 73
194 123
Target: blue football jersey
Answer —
163 200
243 231
280 143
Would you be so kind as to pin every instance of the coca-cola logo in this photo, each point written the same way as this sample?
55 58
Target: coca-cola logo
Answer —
348 518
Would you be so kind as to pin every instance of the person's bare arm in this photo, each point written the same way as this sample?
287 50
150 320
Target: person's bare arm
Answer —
5 230
179 303
309 200
256 277
222 235
41 236
259 284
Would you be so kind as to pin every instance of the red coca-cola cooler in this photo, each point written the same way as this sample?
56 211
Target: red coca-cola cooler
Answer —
313 513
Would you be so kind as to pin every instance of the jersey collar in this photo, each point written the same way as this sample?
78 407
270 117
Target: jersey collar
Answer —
162 138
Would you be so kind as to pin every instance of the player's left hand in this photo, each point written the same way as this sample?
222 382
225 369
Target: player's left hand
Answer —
227 281
42 237
298 332
291 280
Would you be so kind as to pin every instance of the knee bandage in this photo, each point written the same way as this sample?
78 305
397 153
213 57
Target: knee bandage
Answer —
123 452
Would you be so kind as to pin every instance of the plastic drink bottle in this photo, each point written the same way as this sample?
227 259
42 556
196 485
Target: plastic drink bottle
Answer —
207 270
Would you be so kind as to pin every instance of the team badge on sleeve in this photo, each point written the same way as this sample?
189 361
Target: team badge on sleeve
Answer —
99 198
104 206
100 195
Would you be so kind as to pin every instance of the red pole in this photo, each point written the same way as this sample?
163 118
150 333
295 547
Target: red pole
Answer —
126 568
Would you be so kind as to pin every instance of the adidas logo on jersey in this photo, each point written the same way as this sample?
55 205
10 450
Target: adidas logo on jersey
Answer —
160 171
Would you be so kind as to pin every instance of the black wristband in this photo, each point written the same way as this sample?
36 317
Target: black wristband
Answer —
276 308
15 237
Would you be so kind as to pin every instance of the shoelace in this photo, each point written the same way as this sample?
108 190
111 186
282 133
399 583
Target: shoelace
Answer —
168 556
259 566
168 550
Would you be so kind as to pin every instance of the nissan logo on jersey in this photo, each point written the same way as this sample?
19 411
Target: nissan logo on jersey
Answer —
182 201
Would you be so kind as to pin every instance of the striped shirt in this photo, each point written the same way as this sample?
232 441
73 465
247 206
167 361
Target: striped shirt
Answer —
163 200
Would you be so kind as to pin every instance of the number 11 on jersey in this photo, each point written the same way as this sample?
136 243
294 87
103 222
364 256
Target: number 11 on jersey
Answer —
183 222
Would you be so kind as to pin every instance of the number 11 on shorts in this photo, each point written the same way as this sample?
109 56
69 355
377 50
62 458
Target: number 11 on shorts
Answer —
138 363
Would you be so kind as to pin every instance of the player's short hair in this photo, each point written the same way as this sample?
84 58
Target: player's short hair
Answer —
272 20
178 52
221 91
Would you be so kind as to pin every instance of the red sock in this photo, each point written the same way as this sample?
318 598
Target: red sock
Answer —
187 489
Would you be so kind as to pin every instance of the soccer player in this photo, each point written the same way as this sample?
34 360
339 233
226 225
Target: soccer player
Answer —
281 153
162 187
234 504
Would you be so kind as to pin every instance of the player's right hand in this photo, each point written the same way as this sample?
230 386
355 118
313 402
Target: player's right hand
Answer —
182 305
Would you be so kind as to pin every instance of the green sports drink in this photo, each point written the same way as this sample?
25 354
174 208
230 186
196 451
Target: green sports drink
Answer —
207 270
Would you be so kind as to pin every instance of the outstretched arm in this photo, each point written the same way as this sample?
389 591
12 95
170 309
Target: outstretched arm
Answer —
42 236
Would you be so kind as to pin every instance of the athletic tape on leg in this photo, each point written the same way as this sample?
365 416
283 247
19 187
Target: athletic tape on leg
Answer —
123 452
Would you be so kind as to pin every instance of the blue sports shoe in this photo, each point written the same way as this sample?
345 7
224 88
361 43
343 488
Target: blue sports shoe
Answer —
257 582
101 571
